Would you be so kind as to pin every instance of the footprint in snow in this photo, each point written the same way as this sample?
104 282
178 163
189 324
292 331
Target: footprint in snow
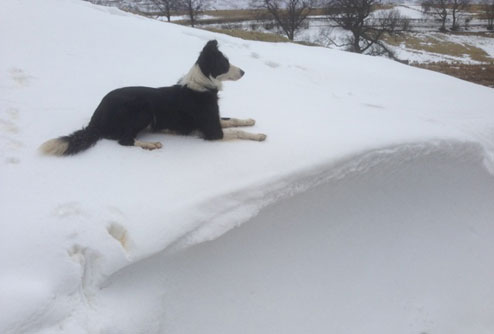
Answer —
12 161
12 113
20 77
120 234
272 64
8 121
375 106
91 271
269 63
8 126
116 229
8 132
302 68
70 209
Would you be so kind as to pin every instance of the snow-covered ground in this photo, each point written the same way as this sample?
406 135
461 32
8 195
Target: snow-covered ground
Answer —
230 4
411 12
368 209
336 38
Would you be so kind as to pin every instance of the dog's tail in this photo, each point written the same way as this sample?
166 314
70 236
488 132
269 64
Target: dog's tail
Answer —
74 143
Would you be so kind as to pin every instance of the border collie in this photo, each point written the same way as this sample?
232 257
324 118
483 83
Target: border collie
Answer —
189 106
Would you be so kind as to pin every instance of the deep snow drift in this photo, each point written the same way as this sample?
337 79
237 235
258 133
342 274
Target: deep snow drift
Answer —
369 208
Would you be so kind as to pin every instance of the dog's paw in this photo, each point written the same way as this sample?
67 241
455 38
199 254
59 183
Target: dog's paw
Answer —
156 146
250 122
150 146
260 137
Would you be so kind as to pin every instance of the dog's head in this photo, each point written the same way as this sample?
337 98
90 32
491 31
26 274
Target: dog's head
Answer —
210 70
215 65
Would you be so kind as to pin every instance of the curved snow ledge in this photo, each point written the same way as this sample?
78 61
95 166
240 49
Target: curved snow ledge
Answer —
242 205
397 240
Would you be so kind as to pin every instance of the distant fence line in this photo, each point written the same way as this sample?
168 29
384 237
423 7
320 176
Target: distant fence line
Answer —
418 25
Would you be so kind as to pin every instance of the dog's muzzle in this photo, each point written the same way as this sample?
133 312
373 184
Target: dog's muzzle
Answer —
233 74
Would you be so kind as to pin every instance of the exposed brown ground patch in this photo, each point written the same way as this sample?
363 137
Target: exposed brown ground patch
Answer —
439 44
479 74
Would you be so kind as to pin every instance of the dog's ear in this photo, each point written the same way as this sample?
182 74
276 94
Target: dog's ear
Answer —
211 45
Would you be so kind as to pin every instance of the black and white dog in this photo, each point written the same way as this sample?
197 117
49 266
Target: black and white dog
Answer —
189 106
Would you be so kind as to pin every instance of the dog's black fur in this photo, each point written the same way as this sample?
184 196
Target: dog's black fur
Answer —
125 112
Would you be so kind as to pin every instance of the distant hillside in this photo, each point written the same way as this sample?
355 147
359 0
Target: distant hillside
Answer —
147 5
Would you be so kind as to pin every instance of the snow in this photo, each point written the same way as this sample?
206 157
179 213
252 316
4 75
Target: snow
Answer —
228 4
310 265
411 12
334 37
185 18
369 205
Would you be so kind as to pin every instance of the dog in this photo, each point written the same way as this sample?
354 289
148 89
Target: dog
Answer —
188 107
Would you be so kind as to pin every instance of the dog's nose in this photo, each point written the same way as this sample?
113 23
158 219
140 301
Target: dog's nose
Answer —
242 73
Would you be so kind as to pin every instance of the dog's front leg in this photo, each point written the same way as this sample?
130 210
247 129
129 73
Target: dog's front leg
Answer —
147 145
242 135
235 122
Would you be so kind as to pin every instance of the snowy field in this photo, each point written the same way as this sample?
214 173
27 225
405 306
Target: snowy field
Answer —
429 45
321 33
229 4
427 40
367 210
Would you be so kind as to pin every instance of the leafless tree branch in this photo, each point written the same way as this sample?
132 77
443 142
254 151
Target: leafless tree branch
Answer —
367 30
288 15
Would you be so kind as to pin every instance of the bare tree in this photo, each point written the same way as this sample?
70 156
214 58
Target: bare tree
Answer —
442 8
457 8
367 30
193 8
288 15
438 9
488 9
166 7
